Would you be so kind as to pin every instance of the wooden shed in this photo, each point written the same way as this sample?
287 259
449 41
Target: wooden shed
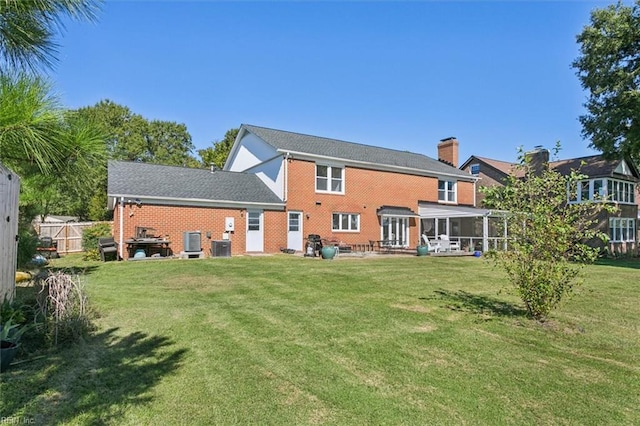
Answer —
9 193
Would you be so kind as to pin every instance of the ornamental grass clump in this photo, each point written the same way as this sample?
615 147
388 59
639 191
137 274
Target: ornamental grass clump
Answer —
63 308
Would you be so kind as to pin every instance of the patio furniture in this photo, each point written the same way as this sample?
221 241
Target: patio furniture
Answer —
108 248
430 247
152 247
451 245
47 248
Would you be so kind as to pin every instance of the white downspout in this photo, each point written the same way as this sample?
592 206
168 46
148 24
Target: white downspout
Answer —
121 234
286 177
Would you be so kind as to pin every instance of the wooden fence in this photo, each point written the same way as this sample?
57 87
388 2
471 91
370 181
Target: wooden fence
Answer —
9 193
67 235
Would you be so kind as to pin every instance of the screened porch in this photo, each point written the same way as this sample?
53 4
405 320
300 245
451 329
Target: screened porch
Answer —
474 229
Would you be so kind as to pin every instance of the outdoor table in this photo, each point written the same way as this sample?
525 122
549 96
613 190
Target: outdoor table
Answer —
150 246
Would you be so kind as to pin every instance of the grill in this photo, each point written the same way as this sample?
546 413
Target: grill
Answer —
313 246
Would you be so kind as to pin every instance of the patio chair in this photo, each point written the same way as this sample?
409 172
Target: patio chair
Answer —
453 245
107 247
430 247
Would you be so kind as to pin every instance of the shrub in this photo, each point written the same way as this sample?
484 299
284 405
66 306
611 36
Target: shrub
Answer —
90 238
547 236
27 243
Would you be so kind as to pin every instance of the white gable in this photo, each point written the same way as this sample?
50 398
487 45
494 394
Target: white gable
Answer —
249 152
623 169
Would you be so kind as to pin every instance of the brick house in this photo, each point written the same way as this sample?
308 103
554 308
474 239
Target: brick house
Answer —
615 180
277 187
173 200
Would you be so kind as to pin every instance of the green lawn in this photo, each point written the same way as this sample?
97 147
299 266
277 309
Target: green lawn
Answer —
291 340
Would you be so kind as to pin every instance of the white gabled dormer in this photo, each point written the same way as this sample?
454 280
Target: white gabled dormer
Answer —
251 154
623 169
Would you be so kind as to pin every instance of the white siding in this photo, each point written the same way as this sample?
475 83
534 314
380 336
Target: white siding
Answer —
272 174
253 155
251 151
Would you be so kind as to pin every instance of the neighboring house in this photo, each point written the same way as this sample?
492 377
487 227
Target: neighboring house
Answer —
278 187
614 180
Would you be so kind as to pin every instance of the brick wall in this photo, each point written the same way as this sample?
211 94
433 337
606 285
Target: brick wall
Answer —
489 177
172 221
365 192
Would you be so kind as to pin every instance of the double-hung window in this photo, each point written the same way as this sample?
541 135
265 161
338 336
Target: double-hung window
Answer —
329 179
598 189
621 191
447 191
622 229
346 222
584 190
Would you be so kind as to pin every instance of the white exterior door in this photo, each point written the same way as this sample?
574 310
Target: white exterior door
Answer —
395 230
294 233
255 231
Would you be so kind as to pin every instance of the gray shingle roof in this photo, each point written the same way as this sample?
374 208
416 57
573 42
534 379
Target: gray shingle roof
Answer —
152 180
595 166
316 145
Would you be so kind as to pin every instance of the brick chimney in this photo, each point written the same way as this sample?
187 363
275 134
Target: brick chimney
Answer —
538 159
448 151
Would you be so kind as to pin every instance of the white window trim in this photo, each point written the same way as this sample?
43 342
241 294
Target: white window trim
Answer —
471 169
616 222
612 198
340 222
330 168
446 191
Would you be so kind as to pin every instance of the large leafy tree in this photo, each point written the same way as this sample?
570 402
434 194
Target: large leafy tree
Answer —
609 69
132 137
218 153
547 237
28 29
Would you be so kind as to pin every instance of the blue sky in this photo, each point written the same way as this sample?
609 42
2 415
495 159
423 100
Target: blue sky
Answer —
403 75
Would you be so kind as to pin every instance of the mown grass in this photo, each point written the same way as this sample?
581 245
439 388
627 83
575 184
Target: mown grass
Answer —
290 340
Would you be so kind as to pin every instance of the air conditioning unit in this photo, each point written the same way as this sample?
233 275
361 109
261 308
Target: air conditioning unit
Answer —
192 241
221 248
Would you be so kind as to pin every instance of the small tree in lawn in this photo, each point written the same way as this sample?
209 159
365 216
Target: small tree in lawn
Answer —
547 236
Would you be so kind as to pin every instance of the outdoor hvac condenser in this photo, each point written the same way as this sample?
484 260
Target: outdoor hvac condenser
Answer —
192 241
221 248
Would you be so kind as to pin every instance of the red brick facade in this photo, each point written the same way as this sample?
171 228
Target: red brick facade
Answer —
365 192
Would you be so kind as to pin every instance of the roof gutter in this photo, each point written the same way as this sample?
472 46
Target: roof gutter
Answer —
377 166
199 202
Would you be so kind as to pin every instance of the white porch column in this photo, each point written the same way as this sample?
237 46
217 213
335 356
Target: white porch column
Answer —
506 234
485 233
